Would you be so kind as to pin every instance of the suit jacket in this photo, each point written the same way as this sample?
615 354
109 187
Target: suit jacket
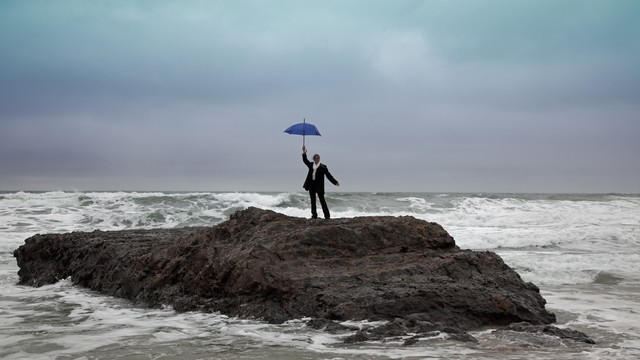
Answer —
316 185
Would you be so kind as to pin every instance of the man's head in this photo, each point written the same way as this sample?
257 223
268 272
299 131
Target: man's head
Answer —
316 158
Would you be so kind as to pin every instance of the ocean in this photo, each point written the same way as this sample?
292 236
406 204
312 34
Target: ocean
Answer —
582 250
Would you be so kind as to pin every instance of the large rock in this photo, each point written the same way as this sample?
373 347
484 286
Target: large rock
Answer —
266 265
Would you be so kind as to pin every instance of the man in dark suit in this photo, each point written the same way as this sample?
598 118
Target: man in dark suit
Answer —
314 183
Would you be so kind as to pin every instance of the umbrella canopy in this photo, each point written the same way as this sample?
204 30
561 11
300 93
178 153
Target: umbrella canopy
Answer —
304 128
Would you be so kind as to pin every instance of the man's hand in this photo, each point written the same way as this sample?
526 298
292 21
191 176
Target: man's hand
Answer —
337 183
304 149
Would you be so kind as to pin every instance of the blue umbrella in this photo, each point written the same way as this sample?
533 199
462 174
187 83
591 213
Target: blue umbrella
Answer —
303 128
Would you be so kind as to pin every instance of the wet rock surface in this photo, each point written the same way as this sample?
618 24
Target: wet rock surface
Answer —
548 330
265 265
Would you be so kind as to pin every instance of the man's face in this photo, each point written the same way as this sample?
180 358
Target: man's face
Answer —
316 158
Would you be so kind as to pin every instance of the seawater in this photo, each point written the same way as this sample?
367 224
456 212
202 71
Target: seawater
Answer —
582 250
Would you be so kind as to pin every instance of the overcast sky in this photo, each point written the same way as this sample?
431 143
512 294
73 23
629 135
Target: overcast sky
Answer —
442 96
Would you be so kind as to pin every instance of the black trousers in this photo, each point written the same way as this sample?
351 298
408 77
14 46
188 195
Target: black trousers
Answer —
323 203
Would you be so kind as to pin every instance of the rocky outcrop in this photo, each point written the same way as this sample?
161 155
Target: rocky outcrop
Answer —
265 265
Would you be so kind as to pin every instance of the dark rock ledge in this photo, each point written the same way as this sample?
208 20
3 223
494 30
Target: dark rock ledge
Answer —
264 265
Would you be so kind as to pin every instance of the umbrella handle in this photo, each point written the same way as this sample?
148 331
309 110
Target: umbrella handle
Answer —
304 120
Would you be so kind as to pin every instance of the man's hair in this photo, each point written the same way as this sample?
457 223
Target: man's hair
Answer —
314 156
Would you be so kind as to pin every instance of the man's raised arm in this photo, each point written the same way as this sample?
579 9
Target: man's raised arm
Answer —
304 156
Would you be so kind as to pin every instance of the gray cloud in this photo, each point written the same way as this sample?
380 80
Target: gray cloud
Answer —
429 96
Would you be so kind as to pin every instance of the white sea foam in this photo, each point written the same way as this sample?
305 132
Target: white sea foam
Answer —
70 321
562 267
417 203
244 200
